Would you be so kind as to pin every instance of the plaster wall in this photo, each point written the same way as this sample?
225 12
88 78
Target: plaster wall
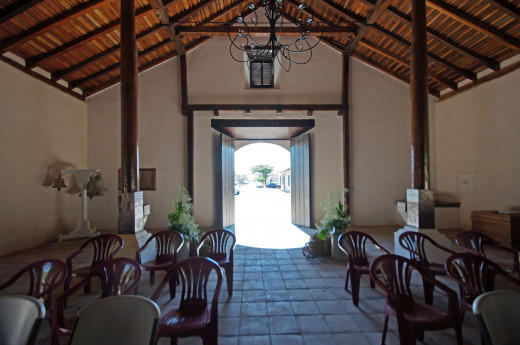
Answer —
477 133
41 130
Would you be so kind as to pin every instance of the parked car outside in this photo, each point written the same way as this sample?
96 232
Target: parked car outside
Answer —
272 185
237 189
259 185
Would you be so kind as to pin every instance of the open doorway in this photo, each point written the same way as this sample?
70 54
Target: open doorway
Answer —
263 196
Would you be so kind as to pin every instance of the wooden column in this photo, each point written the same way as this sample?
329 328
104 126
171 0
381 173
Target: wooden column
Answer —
419 94
346 129
189 114
130 199
129 158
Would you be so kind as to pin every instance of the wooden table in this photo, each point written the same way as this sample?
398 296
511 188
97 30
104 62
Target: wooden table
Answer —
504 228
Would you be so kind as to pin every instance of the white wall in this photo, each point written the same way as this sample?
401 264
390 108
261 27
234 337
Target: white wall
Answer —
161 142
478 132
380 127
41 130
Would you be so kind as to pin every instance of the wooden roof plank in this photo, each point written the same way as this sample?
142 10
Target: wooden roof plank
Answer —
62 74
105 29
15 41
506 7
16 8
474 23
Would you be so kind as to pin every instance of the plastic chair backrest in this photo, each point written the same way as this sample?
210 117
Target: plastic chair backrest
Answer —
119 320
20 319
497 315
105 247
222 243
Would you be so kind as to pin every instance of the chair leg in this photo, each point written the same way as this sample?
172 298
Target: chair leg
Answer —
172 284
346 279
458 335
229 279
87 286
173 341
356 278
152 278
385 326
406 334
428 292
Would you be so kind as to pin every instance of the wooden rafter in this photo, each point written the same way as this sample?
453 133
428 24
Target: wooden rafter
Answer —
71 45
15 41
406 63
164 18
116 66
16 8
192 45
393 37
379 8
490 63
506 7
476 24
64 73
178 19
222 30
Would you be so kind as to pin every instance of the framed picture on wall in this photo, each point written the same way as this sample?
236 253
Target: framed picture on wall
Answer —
147 179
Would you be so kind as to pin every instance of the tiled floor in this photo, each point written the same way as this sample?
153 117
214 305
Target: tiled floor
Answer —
281 297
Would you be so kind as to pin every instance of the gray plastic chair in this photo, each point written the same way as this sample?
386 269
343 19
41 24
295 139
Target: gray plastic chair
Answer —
497 315
118 320
20 319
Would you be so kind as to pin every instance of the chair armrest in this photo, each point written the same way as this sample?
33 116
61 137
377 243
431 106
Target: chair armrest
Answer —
140 250
441 247
11 281
201 243
180 245
510 250
453 301
69 258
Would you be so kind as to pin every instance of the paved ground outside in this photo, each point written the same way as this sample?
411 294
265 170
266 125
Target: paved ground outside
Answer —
263 219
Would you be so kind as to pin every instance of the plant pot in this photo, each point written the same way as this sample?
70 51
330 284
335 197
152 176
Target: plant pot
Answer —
184 252
336 252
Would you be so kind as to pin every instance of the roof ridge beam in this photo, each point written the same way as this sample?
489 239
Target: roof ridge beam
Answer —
480 26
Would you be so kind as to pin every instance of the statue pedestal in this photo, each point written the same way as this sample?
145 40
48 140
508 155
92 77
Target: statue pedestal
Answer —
420 217
130 214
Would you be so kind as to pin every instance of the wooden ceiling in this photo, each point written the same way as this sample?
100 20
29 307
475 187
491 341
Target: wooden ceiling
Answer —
74 45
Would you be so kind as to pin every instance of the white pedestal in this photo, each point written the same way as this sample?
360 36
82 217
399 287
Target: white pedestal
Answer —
434 255
81 230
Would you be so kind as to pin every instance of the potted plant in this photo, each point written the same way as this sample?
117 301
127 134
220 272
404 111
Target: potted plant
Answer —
182 220
335 222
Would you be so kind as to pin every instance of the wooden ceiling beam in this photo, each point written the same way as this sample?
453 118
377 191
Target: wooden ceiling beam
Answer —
71 45
223 30
16 8
404 62
116 66
474 23
351 16
506 7
483 60
379 8
16 41
192 45
64 73
164 18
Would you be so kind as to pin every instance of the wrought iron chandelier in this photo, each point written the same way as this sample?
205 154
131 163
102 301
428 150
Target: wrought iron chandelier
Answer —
287 50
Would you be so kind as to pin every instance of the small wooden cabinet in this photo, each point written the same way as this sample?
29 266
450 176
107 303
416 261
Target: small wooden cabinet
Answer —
504 228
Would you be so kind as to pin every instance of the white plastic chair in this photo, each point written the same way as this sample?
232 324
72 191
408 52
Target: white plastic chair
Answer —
20 319
118 320
497 315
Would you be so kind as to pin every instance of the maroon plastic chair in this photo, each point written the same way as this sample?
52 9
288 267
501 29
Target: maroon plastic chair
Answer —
44 277
196 315
167 245
222 243
104 248
118 276
353 243
416 243
393 274
475 275
476 242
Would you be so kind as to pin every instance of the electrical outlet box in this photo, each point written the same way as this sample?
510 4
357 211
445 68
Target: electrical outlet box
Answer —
466 182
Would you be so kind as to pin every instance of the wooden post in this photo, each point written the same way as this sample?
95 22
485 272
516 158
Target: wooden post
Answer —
346 129
129 158
189 114
419 94
130 200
